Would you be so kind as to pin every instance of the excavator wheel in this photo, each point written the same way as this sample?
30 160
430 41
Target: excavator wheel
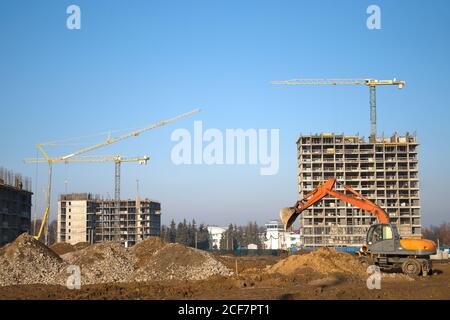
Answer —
366 261
411 267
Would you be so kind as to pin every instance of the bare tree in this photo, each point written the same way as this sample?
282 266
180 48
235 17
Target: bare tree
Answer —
441 232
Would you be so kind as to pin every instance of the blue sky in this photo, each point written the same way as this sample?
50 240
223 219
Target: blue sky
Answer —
136 62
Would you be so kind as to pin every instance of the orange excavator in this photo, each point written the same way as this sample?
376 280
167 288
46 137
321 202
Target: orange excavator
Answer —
384 247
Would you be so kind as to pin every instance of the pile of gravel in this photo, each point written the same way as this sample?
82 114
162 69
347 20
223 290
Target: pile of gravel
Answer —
103 263
174 261
28 261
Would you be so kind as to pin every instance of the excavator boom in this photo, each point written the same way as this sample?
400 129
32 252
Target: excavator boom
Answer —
288 215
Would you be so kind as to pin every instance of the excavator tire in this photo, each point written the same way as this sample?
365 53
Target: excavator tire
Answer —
411 267
366 261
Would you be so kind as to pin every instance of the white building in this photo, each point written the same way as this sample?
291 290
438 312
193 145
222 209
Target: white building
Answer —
215 235
276 238
292 239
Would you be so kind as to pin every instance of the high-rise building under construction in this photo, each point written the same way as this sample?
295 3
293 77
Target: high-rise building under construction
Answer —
15 205
83 217
385 171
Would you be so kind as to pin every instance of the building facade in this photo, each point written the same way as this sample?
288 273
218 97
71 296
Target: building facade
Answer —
15 205
276 238
215 235
385 171
83 217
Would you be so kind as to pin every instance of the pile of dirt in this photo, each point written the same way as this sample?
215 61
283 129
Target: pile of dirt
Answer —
173 261
324 261
151 259
28 261
81 245
62 248
145 249
103 263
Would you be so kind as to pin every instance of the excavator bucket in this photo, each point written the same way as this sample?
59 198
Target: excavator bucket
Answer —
288 216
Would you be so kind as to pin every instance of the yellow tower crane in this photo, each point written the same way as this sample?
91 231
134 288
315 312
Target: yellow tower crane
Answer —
371 83
105 143
117 159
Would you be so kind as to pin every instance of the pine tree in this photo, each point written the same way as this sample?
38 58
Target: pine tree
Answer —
194 233
190 236
172 232
164 233
181 234
228 238
203 237
257 237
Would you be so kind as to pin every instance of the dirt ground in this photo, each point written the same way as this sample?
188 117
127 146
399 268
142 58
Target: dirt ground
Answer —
253 282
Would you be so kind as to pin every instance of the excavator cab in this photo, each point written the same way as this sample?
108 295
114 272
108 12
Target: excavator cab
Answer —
382 237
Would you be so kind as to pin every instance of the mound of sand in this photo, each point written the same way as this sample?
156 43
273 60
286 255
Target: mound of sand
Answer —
28 261
144 250
81 245
62 248
174 261
324 261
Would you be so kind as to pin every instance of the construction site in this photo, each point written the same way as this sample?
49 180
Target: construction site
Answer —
358 208
153 269
149 152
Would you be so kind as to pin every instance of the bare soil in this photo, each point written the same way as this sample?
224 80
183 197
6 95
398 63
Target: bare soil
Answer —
324 261
304 285
28 261
62 248
322 274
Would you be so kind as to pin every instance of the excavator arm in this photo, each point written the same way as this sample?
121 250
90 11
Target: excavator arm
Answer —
288 215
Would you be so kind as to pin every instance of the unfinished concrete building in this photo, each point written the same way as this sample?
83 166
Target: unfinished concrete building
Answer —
138 219
83 217
385 171
15 205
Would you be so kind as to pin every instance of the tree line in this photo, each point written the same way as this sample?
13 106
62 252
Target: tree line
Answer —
441 232
186 233
241 236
